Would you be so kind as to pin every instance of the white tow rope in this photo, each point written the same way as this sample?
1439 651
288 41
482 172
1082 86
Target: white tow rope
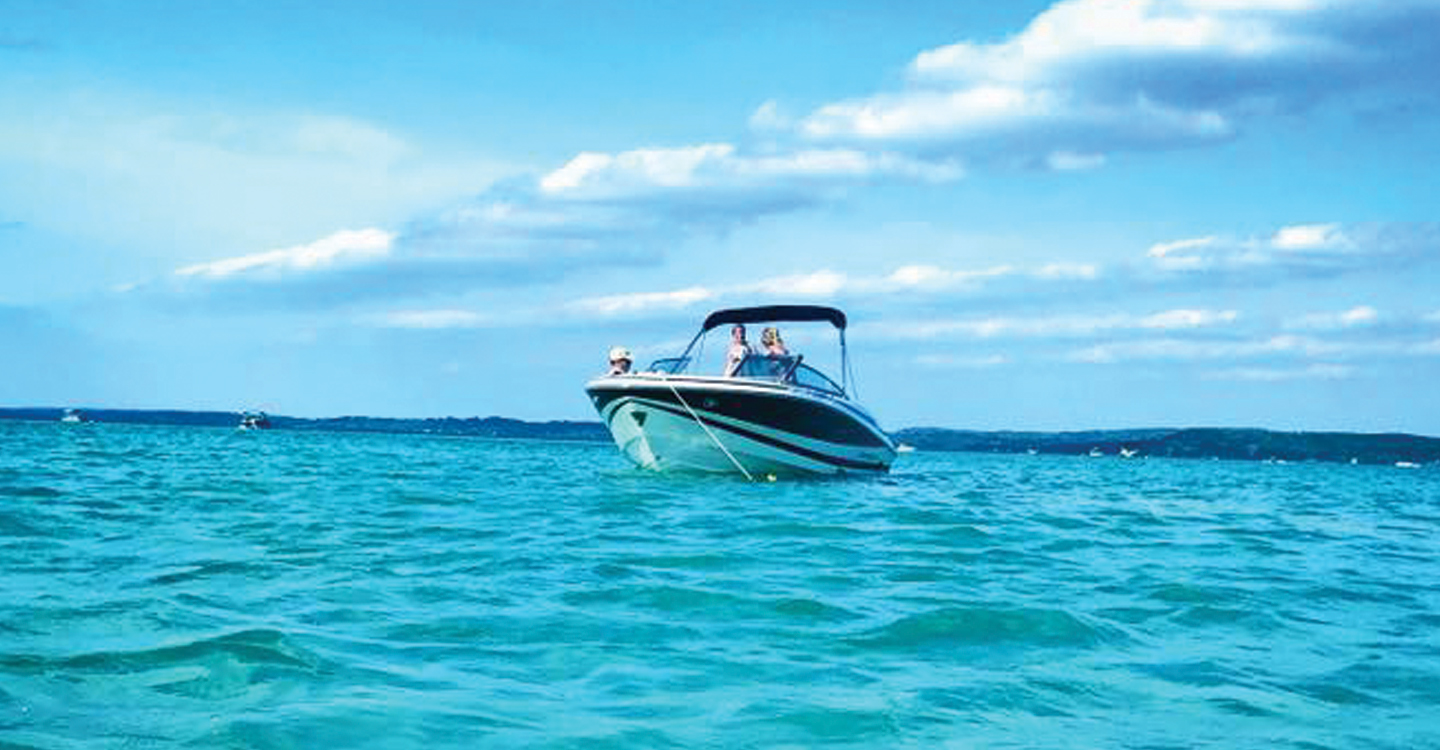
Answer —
706 428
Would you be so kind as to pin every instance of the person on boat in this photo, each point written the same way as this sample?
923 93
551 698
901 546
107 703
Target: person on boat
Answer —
620 361
774 345
738 351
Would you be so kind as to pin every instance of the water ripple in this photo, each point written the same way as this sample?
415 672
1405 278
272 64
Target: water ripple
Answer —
202 588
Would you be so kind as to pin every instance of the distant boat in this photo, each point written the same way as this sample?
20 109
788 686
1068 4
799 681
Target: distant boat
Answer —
904 448
1406 465
1031 452
1096 453
72 416
1128 452
254 420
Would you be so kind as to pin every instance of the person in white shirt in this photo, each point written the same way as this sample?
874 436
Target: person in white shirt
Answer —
738 351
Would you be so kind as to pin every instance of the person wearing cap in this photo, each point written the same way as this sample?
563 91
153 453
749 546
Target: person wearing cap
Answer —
620 361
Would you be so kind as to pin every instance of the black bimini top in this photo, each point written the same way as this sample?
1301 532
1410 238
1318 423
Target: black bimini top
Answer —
775 314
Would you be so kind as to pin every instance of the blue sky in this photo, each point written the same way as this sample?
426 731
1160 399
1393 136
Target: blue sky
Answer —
1083 214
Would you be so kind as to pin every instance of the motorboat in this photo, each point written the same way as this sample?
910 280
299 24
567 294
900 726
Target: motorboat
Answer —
772 415
73 416
254 420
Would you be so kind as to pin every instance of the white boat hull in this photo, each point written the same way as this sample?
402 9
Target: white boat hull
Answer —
699 425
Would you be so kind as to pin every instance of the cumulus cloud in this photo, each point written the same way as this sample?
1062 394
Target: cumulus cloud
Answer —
1089 77
718 168
643 301
429 319
1318 371
827 284
1356 317
131 161
340 248
1290 346
961 362
1055 326
1191 349
596 210
1301 250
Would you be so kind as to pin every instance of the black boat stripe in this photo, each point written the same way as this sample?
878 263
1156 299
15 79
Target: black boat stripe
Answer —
759 438
835 420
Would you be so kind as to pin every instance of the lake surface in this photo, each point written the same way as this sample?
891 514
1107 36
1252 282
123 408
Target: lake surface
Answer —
192 587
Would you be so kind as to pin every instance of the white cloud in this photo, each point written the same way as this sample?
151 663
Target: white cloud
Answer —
829 284
961 362
934 277
640 302
824 283
1073 32
1185 254
169 176
1060 271
1070 161
673 167
1088 77
1181 319
768 116
1319 371
720 166
430 319
1355 317
1310 237
350 246
1058 326
1186 349
1300 249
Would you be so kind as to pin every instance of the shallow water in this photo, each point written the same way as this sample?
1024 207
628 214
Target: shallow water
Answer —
189 587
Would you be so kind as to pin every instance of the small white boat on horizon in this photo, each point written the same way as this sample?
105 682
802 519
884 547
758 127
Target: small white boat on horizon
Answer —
253 420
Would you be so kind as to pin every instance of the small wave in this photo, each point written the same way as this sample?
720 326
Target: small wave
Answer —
981 626
1203 673
704 562
1184 593
255 647
662 598
806 531
207 570
39 491
822 724
12 525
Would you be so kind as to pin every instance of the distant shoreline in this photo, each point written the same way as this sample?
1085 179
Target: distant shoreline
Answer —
1200 443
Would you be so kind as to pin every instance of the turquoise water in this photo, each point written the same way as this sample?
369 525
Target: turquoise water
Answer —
193 587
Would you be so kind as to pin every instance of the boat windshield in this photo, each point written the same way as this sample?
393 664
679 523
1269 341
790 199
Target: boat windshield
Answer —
670 365
787 369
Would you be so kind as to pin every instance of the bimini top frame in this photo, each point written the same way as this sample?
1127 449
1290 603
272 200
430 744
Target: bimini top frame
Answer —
774 314
780 314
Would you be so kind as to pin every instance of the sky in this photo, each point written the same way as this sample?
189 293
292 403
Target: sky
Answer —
1038 216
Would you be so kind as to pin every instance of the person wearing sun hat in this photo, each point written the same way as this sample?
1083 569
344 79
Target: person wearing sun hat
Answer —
620 361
